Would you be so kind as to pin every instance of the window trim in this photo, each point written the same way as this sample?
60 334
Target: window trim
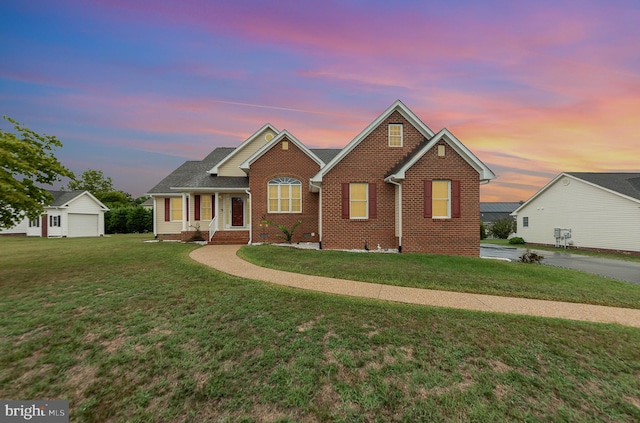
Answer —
525 221
455 199
395 125
55 221
279 183
365 201
173 209
448 199
201 206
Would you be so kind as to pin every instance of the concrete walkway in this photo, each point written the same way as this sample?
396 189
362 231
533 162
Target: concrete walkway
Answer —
225 259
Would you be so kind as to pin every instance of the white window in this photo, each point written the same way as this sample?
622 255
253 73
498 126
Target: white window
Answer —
441 199
395 135
358 204
284 195
525 222
205 207
54 221
176 208
34 223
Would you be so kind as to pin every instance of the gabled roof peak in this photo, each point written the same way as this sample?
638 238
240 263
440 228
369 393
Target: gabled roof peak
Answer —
283 134
397 106
246 142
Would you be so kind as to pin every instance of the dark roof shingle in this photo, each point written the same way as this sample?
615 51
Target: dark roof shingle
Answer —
625 183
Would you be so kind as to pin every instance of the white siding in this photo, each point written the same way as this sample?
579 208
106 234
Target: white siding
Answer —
84 204
163 227
20 228
597 218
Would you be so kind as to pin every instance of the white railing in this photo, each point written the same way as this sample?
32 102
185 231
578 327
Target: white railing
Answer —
212 227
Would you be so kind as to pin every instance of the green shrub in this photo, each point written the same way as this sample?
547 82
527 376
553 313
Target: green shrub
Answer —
502 228
122 220
483 231
516 240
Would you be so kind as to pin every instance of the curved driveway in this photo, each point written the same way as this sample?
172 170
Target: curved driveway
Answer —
225 259
628 271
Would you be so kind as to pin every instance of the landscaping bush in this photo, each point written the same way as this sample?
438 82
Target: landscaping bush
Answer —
516 240
483 231
502 228
122 220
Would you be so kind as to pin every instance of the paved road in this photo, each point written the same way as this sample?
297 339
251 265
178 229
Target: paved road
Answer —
617 269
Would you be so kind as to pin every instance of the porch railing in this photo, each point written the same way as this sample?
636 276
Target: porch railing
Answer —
212 227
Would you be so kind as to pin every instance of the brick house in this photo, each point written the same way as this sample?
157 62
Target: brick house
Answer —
397 185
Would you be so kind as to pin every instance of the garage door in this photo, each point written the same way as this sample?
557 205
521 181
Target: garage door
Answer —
82 225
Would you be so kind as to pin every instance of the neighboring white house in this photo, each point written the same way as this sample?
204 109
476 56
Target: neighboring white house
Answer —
587 210
70 214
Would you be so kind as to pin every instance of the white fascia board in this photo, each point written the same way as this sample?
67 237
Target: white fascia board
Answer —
540 191
190 190
284 134
102 206
214 170
398 106
165 194
486 174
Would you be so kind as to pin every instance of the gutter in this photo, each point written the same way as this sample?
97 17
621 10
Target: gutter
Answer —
250 217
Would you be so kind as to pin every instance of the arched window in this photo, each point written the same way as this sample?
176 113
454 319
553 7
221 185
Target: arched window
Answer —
285 195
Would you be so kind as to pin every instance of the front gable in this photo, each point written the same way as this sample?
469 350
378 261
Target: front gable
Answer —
229 166
79 202
279 179
376 135
441 141
282 140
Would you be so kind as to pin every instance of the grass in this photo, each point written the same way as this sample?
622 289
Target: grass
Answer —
463 274
137 332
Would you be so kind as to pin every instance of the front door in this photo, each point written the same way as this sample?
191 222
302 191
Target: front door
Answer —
45 221
237 211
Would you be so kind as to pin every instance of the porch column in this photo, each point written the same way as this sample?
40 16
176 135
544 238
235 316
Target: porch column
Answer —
218 208
184 212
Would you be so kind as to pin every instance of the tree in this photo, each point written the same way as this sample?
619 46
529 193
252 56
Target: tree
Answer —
502 228
114 199
93 181
27 160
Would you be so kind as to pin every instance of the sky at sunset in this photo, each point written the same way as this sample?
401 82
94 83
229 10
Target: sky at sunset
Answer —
135 88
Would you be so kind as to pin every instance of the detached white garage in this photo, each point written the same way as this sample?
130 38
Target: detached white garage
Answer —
70 214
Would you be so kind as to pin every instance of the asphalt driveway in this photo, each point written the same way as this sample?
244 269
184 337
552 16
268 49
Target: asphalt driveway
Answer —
628 271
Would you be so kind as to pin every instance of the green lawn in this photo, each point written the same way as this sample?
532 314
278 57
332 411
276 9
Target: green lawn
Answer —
464 274
137 332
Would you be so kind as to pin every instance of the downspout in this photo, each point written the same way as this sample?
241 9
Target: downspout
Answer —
399 185
319 213
250 218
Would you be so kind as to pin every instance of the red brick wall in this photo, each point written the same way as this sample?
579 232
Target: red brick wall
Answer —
368 162
455 236
275 163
